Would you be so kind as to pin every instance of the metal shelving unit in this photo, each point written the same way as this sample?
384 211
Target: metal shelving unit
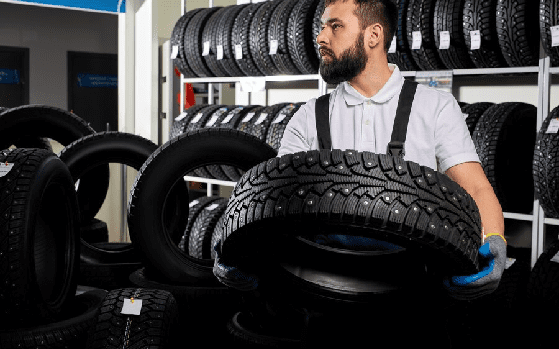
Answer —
543 70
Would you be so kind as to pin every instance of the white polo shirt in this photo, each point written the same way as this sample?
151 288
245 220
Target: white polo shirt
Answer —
437 135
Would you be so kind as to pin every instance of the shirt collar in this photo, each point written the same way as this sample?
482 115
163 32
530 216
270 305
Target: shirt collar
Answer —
389 90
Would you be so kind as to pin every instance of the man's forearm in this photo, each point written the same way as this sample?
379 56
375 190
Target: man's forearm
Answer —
490 211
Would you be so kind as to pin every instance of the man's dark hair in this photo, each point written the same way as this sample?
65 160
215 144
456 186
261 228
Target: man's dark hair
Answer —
370 12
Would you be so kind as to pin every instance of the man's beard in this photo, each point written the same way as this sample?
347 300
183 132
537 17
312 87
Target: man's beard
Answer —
352 62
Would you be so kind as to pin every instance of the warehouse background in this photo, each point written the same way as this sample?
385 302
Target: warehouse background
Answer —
50 33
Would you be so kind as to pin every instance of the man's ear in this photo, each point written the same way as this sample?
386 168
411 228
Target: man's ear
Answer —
374 35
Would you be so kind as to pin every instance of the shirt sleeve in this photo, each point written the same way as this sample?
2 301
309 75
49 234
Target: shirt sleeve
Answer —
296 135
454 144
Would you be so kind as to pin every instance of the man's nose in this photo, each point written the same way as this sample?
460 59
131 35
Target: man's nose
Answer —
321 38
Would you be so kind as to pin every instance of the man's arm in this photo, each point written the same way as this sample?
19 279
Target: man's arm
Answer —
470 176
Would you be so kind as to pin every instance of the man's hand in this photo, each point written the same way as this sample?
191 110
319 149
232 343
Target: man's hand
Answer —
493 255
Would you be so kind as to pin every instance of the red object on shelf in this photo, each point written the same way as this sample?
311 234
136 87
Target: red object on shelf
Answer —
189 98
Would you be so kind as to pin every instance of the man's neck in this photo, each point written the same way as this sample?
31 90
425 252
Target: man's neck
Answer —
372 79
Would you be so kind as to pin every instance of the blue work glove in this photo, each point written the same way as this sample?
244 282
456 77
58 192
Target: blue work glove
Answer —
232 276
493 255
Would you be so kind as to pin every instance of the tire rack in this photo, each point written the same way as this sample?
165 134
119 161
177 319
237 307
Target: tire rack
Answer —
544 72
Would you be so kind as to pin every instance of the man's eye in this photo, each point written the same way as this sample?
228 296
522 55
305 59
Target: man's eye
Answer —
335 26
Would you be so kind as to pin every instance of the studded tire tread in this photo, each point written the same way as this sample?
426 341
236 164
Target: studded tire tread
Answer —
203 228
420 18
301 43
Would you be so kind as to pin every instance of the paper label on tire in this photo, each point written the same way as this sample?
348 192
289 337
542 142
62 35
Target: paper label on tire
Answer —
475 39
279 118
553 126
554 36
247 117
238 52
197 118
416 43
444 40
219 53
555 258
212 120
228 118
509 262
193 203
5 168
273 47
392 48
181 116
212 207
175 52
206 50
131 306
261 119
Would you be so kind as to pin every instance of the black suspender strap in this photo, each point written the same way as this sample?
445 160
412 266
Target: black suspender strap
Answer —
396 145
322 114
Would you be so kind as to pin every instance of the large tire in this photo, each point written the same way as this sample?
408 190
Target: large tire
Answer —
225 38
545 168
278 31
259 41
549 17
70 331
504 138
481 15
300 40
317 25
420 18
474 112
405 61
241 36
155 327
194 208
203 228
448 17
157 177
518 32
264 119
177 39
278 125
321 192
193 45
179 126
63 127
247 123
209 34
39 248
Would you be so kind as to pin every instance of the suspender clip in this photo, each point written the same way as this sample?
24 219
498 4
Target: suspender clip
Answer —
396 149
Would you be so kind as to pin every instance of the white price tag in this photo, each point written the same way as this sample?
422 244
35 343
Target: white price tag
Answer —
416 43
252 84
212 207
228 118
554 36
444 40
197 118
261 119
238 52
5 168
193 203
131 306
279 118
181 116
219 52
273 47
553 126
392 48
247 117
475 39
175 52
555 258
509 262
212 120
206 50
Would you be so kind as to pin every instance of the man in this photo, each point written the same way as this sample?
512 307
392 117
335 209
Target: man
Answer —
354 42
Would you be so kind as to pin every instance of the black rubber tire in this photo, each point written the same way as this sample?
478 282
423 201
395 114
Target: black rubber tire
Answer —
39 249
157 176
211 30
448 17
247 123
518 32
177 39
194 208
179 127
481 15
549 17
155 327
225 38
259 41
30 142
63 127
317 192
199 242
405 60
504 138
94 231
263 120
276 129
545 166
243 331
70 331
474 111
241 36
300 40
317 26
278 31
420 18
193 44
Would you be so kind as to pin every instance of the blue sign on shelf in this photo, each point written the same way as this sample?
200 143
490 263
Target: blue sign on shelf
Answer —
97 80
96 5
9 76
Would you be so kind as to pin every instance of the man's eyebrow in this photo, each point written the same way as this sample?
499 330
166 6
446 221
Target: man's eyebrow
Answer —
330 20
